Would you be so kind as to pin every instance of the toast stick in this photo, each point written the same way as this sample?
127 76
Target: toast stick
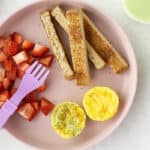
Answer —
78 46
102 46
56 44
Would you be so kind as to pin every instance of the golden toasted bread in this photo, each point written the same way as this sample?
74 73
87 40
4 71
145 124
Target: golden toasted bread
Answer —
95 37
78 46
59 14
94 57
56 44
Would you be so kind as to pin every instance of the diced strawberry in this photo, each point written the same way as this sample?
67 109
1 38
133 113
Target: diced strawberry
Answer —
36 105
10 47
2 74
2 42
12 73
27 111
8 64
47 60
23 66
7 83
4 95
13 91
42 88
39 50
31 59
20 57
27 45
22 69
20 74
46 106
17 38
1 86
1 104
31 97
3 57
9 38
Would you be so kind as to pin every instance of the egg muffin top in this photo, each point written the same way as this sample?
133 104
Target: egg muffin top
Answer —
101 103
68 119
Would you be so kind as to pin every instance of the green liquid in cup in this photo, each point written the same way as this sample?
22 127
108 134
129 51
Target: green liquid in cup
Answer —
139 9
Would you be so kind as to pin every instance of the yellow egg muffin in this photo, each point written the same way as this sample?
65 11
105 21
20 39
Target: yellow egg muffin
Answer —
101 103
68 119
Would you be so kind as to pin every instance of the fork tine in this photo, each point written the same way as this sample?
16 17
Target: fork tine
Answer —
37 69
32 67
41 72
43 78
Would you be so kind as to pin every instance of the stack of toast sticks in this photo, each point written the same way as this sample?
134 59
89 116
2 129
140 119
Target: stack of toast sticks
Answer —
86 41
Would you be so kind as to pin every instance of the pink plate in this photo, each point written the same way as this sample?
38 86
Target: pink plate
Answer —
39 133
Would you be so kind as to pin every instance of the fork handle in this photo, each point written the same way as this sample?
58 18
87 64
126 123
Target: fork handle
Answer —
17 97
6 111
10 107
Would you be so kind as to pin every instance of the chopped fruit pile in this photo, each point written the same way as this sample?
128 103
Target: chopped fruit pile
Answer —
16 56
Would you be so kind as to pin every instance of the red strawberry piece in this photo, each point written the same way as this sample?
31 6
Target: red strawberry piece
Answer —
1 104
20 57
10 47
4 96
46 106
3 57
27 111
31 59
39 50
13 91
2 74
1 86
22 69
7 83
47 60
12 73
27 45
42 88
20 74
31 97
36 105
17 38
2 42
9 38
23 66
8 64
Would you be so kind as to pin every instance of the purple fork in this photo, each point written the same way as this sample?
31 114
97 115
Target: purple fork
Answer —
34 77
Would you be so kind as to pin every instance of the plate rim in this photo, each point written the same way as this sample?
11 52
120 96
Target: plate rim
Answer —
121 31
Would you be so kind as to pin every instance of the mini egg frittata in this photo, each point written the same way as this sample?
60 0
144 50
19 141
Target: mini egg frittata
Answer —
101 103
68 119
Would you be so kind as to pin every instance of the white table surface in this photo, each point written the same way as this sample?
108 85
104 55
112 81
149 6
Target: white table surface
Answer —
134 132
